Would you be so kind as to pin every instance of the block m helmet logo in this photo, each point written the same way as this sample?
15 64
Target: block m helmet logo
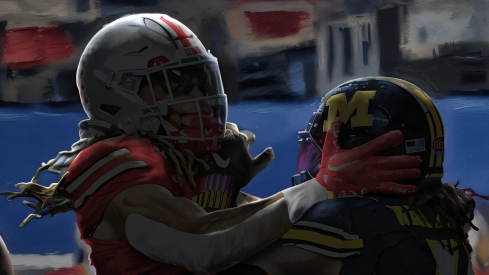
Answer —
358 102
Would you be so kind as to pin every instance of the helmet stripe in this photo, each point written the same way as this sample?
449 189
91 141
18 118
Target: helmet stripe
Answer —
182 36
432 132
440 159
432 109
433 117
438 126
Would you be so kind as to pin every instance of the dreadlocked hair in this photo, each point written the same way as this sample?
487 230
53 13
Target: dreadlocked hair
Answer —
185 162
453 209
48 197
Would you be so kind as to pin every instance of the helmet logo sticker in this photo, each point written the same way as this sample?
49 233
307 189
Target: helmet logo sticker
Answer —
157 61
415 145
359 103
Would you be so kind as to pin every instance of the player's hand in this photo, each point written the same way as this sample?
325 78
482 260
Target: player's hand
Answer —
354 172
235 147
460 202
233 159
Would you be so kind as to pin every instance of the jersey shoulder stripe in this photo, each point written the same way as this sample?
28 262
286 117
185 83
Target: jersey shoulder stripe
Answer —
96 152
98 164
326 229
106 177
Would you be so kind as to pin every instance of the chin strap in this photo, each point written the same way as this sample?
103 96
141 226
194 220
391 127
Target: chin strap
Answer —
93 128
300 178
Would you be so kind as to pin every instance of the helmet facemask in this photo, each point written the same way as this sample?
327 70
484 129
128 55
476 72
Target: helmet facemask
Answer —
182 103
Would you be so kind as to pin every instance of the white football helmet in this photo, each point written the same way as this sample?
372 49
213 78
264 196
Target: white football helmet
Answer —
149 73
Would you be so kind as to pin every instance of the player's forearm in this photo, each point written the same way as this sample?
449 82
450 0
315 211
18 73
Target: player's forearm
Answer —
215 241
209 252
158 204
298 200
224 219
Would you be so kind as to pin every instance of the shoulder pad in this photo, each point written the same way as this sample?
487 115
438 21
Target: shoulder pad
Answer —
99 163
327 229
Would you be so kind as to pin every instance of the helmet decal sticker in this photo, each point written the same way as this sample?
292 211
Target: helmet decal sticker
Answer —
439 147
180 33
192 51
415 145
157 61
359 103
439 143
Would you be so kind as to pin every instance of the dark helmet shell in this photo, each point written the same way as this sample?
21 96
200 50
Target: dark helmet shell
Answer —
371 107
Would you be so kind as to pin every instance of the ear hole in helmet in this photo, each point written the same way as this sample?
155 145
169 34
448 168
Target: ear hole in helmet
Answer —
110 109
315 126
131 83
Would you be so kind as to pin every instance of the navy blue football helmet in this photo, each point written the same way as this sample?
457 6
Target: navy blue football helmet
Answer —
368 108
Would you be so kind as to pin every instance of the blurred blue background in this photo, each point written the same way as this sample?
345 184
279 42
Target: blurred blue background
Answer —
276 57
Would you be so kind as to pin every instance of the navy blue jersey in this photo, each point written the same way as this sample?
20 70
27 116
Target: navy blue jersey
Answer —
379 235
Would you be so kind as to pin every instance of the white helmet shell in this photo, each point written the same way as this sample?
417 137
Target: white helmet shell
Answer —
160 52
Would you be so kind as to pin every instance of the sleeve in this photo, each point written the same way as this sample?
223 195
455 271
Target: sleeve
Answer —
301 197
103 170
207 252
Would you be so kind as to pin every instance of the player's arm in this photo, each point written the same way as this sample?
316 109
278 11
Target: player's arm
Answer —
5 263
177 231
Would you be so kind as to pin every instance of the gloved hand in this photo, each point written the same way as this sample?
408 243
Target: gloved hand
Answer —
460 204
234 163
354 172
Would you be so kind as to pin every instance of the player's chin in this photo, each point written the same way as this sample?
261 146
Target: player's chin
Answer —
195 121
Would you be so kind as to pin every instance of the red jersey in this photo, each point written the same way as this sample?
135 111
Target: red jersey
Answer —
98 174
